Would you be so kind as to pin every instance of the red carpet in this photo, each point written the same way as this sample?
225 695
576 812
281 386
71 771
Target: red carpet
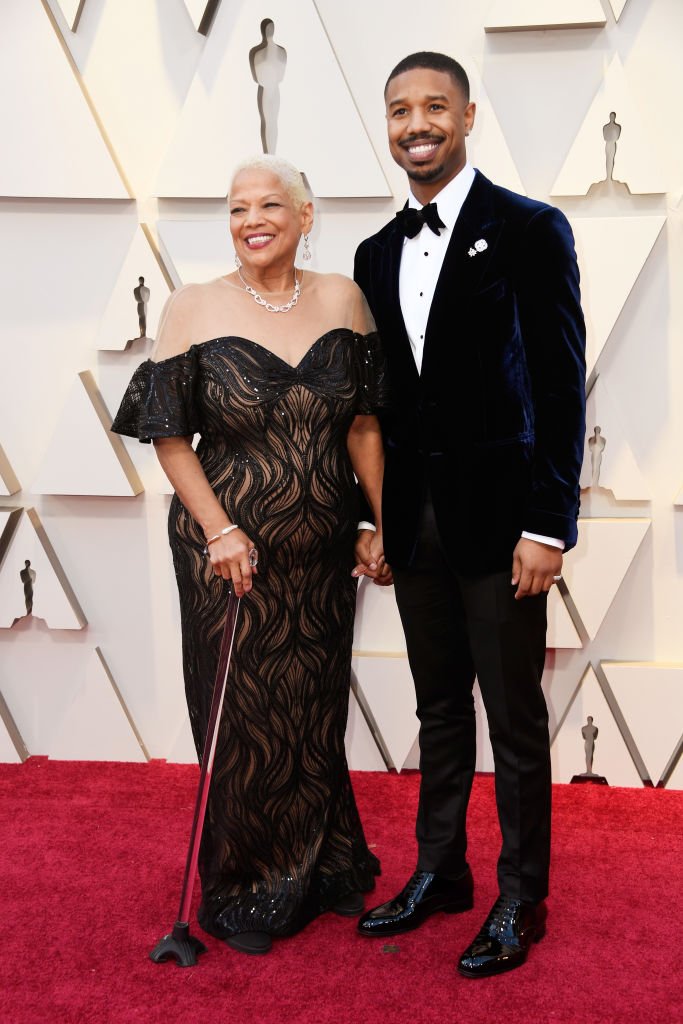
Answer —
92 857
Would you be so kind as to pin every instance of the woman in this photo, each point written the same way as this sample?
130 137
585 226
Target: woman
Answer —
277 369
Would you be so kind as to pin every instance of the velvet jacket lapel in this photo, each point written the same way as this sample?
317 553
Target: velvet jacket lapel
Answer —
461 272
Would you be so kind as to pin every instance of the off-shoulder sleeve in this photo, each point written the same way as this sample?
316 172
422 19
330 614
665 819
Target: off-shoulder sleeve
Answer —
160 400
372 374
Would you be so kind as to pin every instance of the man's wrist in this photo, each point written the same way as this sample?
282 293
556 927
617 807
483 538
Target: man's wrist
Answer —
365 525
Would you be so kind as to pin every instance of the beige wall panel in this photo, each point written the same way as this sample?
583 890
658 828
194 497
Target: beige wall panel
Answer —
181 750
8 751
197 250
561 629
487 149
596 568
387 685
84 457
636 161
617 7
378 626
312 92
46 116
120 323
676 777
650 697
611 756
515 15
62 701
9 484
608 460
202 13
53 598
72 10
561 678
611 252
362 752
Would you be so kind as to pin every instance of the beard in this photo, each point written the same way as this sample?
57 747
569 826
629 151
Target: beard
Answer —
429 174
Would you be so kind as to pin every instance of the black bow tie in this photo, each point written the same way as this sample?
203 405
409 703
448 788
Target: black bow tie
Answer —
411 220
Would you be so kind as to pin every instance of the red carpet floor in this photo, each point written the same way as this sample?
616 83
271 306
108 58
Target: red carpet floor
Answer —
91 858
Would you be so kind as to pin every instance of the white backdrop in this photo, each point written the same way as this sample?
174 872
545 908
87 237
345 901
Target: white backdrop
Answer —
117 144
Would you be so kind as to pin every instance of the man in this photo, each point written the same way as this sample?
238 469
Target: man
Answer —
477 302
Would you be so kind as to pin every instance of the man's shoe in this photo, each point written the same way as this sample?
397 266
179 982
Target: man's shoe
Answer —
504 940
424 894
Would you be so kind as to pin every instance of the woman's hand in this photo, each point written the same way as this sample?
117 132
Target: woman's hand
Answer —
230 559
370 558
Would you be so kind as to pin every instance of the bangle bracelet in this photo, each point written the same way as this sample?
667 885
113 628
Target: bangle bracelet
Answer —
217 536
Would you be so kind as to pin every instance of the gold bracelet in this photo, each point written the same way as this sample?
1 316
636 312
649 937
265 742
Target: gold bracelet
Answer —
217 536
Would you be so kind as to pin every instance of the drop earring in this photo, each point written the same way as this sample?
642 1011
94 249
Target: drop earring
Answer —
238 261
306 255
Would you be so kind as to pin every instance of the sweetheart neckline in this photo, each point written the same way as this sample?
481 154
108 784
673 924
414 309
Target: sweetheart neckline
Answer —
264 348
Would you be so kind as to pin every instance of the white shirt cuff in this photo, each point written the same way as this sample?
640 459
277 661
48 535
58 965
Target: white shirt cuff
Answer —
553 542
365 525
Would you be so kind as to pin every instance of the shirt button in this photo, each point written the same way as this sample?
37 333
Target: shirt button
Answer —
421 294
426 254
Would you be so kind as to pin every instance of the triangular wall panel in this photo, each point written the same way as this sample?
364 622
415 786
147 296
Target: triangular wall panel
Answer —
561 678
387 685
202 13
611 757
561 630
650 697
53 597
9 483
313 94
121 323
676 777
378 626
486 147
611 252
84 457
362 753
617 7
516 15
72 10
608 460
63 702
635 161
57 149
596 568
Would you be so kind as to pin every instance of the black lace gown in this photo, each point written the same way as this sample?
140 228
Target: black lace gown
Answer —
282 840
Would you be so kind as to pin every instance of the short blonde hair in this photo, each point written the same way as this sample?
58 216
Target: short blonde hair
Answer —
287 173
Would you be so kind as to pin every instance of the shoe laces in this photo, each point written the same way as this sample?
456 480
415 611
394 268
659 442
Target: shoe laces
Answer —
415 883
501 917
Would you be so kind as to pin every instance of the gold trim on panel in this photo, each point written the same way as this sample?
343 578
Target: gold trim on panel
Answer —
124 706
57 566
12 730
7 473
98 404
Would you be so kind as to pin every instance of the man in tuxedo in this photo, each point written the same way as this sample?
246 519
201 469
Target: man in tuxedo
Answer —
475 291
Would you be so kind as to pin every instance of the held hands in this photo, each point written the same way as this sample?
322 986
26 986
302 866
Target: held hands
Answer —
534 566
370 558
230 559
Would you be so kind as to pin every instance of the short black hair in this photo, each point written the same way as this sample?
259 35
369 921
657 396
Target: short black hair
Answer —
435 62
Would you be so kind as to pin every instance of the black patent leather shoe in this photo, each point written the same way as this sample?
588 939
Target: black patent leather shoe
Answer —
424 894
504 940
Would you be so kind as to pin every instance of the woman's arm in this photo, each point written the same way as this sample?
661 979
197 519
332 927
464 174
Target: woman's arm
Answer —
229 555
367 458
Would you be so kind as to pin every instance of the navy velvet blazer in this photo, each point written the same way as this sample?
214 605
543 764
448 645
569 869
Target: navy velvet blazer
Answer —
494 424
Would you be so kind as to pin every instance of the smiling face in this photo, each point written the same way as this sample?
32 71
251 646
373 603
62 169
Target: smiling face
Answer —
264 223
428 118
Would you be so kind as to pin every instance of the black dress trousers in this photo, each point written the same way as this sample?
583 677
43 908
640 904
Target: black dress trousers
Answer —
458 627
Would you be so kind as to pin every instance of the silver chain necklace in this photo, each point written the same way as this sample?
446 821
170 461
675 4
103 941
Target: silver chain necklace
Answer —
268 305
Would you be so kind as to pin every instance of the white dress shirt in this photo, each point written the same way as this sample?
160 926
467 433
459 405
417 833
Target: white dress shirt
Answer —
421 262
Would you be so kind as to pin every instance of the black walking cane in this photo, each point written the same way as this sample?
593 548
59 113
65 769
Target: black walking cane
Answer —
179 944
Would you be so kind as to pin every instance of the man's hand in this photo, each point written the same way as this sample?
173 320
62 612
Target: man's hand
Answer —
370 558
533 567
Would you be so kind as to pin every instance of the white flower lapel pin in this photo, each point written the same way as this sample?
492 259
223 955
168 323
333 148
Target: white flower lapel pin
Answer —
479 246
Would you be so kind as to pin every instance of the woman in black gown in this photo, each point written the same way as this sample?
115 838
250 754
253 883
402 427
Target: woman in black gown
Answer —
278 371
